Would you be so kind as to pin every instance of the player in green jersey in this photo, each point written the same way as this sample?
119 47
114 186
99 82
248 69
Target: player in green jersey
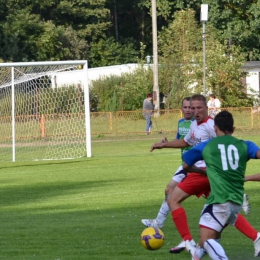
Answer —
180 174
226 158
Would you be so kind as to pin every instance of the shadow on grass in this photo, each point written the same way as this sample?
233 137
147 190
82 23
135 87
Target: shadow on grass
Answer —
28 193
67 232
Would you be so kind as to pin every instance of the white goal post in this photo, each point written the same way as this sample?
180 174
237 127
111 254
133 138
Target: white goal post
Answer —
44 110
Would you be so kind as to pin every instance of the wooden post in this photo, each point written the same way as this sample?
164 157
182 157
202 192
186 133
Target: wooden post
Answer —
42 124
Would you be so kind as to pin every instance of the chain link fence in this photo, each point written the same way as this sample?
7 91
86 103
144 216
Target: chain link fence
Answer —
132 123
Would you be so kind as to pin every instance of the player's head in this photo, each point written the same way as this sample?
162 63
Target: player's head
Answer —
212 96
149 95
199 107
185 108
224 122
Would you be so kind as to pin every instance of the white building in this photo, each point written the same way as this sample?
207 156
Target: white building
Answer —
252 79
65 78
58 79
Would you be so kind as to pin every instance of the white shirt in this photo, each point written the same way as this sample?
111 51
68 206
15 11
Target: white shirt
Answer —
216 103
200 133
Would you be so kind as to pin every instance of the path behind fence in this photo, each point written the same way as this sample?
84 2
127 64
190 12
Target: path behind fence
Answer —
247 120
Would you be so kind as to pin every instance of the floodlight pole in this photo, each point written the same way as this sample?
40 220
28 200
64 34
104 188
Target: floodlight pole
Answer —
156 91
204 19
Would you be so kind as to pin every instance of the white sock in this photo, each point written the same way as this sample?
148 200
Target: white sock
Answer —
215 250
218 240
200 252
163 212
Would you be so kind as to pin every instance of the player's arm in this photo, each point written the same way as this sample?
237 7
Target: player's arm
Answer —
192 156
253 152
170 144
258 154
254 177
193 168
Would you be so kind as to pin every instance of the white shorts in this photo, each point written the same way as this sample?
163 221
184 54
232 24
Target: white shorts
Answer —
217 216
179 175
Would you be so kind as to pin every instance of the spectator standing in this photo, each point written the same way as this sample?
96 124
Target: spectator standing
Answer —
213 105
148 108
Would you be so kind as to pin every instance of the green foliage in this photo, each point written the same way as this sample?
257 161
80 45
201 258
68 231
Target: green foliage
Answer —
130 89
113 103
182 61
52 30
44 101
178 44
21 31
135 87
108 32
238 21
103 90
60 43
109 52
22 23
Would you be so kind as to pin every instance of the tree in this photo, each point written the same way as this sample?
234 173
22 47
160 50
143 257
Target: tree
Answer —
60 43
39 30
238 22
107 52
125 92
178 44
181 56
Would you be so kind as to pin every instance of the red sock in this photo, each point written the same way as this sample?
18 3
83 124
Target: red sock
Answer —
244 227
179 218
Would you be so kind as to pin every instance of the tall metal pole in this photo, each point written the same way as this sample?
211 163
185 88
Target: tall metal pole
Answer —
204 56
156 91
204 19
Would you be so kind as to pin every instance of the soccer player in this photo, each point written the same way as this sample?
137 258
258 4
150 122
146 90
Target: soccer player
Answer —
180 174
226 158
201 130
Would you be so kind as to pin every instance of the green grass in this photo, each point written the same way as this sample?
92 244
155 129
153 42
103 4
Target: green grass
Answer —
91 208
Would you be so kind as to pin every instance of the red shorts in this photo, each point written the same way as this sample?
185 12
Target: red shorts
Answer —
195 184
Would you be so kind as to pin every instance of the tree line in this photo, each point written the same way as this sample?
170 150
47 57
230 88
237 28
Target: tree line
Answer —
109 32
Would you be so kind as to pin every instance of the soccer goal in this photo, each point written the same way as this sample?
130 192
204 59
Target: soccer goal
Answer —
44 111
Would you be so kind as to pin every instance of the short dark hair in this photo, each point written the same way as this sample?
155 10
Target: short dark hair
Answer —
200 98
187 99
212 95
224 121
149 95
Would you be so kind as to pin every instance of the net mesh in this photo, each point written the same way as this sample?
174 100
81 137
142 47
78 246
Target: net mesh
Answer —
49 112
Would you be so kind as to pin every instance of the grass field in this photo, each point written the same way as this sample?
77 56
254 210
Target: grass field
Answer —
91 208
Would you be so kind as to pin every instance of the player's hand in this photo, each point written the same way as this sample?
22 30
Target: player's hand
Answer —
164 140
157 146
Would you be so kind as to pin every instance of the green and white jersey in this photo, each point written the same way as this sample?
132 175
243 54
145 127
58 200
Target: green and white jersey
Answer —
183 129
226 158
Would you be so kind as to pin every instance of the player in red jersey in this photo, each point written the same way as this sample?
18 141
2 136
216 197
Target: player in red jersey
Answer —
202 129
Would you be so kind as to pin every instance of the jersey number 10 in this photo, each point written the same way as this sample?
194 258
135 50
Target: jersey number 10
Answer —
230 157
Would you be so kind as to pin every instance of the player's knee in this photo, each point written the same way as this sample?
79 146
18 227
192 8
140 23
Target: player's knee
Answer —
168 190
170 187
167 197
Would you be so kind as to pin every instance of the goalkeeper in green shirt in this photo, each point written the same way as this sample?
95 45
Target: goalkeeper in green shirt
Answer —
226 158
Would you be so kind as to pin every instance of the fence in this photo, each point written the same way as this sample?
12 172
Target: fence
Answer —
113 125
247 121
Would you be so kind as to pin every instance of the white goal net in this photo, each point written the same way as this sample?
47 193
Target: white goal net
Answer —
44 111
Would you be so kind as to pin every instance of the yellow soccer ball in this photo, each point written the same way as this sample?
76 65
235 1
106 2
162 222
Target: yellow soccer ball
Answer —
152 238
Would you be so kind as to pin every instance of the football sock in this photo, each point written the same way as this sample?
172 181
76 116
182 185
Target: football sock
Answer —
215 250
179 218
244 227
163 212
200 252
